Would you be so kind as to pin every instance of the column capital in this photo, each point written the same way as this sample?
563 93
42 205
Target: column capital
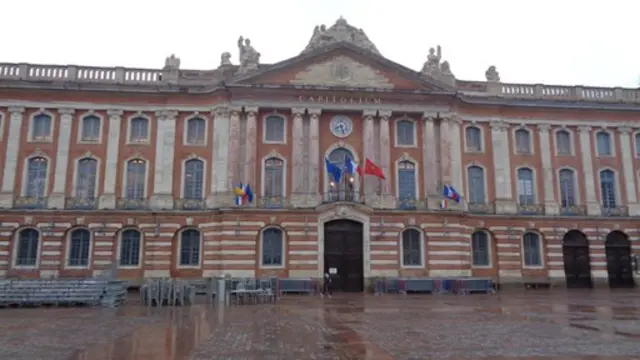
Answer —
167 114
315 111
498 125
369 113
384 114
584 129
298 111
115 113
235 110
66 111
219 110
625 130
16 109
251 110
543 127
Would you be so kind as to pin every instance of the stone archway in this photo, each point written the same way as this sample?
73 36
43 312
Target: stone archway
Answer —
343 252
577 261
619 263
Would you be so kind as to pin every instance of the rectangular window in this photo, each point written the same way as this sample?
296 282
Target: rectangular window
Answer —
274 130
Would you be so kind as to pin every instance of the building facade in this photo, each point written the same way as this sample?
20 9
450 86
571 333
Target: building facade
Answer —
134 169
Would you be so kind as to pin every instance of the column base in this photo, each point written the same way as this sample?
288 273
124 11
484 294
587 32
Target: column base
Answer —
161 202
6 200
505 206
594 209
107 202
633 209
551 208
56 201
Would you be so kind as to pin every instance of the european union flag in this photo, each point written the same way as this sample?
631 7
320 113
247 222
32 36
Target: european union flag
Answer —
333 170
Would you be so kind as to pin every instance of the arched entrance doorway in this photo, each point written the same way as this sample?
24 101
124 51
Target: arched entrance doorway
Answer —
575 255
619 269
343 190
343 241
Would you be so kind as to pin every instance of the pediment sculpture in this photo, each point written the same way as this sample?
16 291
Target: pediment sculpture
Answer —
249 57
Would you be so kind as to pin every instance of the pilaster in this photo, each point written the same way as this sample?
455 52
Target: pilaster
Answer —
233 155
502 167
251 146
11 157
108 197
57 197
219 153
298 191
388 200
593 208
550 203
314 157
369 152
162 197
455 151
628 171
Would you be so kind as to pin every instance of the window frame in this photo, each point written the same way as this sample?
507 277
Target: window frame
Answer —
481 135
414 127
571 141
489 250
612 143
125 174
183 176
185 132
130 120
76 173
25 174
67 257
468 183
119 249
100 118
416 174
540 250
283 249
263 175
16 247
265 119
516 149
32 126
421 244
576 189
179 264
616 190
534 184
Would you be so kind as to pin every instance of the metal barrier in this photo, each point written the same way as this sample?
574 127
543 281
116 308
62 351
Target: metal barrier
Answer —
308 286
457 285
167 292
57 292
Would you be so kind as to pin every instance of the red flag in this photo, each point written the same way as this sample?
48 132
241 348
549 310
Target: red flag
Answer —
372 169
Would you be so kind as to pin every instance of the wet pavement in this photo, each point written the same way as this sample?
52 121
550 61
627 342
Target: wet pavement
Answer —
542 324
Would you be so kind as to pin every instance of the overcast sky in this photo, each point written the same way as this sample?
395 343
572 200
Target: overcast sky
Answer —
542 41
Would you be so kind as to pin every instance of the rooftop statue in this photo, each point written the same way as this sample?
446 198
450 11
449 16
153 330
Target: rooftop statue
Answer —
172 62
340 31
249 57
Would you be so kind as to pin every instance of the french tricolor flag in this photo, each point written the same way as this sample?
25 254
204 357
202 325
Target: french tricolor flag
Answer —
351 167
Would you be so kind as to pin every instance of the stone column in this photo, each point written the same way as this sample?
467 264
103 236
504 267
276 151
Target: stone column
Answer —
628 171
593 208
314 157
108 197
162 197
388 198
502 168
233 155
219 158
430 161
551 206
11 157
455 151
298 191
369 183
57 197
251 146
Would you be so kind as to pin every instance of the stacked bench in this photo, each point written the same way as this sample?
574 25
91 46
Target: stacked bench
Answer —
62 292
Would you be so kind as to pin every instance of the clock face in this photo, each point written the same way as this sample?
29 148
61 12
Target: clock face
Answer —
341 126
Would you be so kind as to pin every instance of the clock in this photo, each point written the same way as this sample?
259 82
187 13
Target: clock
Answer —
341 126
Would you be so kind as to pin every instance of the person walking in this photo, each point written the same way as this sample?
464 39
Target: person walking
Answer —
326 285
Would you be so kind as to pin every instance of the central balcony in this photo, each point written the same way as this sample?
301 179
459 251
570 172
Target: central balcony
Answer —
342 196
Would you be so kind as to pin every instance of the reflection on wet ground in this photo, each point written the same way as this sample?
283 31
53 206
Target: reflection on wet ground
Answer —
525 325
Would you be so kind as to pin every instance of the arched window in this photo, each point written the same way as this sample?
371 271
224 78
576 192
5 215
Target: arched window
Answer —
603 142
27 247
272 247
608 189
196 131
274 129
411 248
79 248
343 189
86 178
476 185
36 186
90 129
407 184
190 247
567 188
523 141
193 179
274 178
473 136
136 179
526 192
563 142
130 247
405 133
41 129
532 246
139 131
480 247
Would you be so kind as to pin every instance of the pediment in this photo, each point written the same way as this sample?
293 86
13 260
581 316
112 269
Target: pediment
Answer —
341 66
344 210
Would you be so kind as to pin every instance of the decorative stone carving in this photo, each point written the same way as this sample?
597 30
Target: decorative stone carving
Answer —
342 71
341 31
411 221
434 68
249 57
28 220
543 128
445 68
492 74
624 130
189 221
272 220
131 221
433 59
80 220
172 62
225 59
498 125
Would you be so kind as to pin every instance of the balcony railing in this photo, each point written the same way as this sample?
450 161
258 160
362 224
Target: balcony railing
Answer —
530 209
573 210
342 196
481 208
614 211
30 202
272 202
190 204
132 204
81 203
408 204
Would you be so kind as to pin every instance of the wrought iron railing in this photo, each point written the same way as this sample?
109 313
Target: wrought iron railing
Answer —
30 202
573 210
487 208
132 204
190 204
614 211
530 209
78 203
